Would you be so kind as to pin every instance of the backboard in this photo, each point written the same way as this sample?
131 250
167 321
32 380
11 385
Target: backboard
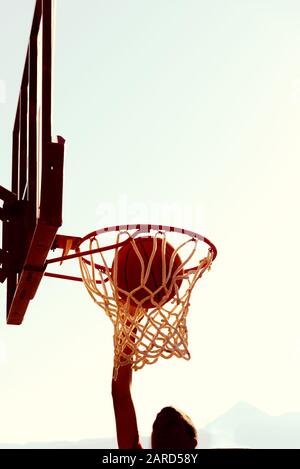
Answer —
32 209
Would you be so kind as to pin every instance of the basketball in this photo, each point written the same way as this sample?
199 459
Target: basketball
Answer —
129 271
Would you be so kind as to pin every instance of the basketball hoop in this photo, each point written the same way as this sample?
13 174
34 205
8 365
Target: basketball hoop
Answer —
149 316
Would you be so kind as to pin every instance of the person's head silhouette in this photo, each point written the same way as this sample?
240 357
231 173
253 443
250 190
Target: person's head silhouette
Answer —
172 429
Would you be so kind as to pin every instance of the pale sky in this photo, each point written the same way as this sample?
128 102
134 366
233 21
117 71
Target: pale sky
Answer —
174 112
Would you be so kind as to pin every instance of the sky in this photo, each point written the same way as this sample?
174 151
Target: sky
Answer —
174 112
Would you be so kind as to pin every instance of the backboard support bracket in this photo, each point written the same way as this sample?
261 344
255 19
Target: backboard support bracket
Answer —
50 219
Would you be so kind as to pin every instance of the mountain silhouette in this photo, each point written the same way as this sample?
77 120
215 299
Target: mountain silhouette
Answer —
242 426
245 426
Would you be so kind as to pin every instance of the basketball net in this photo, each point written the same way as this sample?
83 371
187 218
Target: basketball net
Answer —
143 335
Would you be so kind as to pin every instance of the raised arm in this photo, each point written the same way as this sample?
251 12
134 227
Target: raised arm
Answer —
126 423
